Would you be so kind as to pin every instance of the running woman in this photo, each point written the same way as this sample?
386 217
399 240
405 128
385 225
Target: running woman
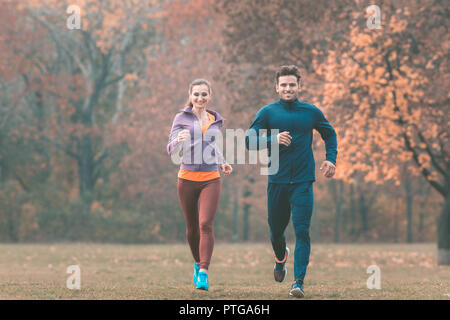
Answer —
194 129
291 188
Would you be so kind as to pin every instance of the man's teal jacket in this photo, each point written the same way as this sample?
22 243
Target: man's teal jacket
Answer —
296 161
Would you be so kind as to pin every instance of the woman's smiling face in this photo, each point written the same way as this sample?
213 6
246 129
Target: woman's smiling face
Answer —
200 96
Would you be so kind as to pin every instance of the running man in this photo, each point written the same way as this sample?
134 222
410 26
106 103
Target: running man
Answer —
291 188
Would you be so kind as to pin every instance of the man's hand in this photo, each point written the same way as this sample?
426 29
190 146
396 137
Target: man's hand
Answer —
329 169
284 138
226 168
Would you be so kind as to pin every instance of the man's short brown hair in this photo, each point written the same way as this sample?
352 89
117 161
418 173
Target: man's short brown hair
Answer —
290 70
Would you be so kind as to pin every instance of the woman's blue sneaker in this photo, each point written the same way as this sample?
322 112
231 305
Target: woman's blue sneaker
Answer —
202 281
297 290
196 270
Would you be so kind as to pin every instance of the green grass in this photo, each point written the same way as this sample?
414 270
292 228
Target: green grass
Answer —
237 271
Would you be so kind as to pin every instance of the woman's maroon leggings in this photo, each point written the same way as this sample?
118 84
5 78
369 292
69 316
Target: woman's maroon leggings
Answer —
199 201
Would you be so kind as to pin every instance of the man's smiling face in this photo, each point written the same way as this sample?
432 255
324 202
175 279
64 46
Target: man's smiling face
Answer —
287 87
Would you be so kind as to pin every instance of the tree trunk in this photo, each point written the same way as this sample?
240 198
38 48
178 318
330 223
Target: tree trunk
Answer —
409 205
444 233
235 237
363 212
344 213
352 210
3 164
396 207
315 225
86 171
3 171
13 225
337 191
246 211
246 227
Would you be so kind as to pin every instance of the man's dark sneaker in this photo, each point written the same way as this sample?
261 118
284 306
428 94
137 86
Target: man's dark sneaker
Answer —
279 269
297 290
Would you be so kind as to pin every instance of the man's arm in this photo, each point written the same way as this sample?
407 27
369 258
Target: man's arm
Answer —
328 135
253 139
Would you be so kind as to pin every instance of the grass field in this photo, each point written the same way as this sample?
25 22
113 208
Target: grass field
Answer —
237 271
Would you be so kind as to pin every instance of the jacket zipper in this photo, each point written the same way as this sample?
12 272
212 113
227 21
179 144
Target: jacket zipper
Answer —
292 151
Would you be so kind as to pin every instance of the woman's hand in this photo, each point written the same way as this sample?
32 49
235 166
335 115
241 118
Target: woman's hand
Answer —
183 135
226 168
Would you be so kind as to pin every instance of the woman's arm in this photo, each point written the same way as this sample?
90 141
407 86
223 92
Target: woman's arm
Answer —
173 136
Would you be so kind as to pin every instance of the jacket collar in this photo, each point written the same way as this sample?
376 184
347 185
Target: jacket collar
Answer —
290 104
218 117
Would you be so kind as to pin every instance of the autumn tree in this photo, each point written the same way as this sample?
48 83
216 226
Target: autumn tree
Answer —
188 48
376 86
23 164
90 68
392 84
85 114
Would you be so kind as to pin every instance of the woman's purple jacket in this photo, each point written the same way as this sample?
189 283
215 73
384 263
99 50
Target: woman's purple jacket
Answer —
200 153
